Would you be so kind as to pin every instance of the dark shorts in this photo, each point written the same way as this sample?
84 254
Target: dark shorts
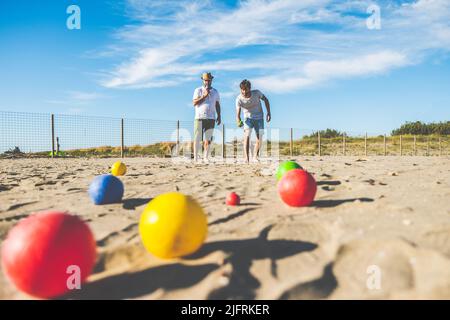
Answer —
204 126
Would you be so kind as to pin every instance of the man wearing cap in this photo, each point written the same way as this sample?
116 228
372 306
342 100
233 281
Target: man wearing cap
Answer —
206 102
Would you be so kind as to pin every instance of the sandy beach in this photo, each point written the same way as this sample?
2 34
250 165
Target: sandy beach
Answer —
389 212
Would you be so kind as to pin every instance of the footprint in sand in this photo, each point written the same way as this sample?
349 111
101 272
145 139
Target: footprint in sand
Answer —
403 269
309 275
19 205
438 240
328 185
370 181
5 187
43 183
14 218
128 232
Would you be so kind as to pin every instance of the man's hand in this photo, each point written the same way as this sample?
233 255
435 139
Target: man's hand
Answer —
268 117
199 100
239 122
218 120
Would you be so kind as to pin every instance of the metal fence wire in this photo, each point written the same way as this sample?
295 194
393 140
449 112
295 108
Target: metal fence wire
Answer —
35 134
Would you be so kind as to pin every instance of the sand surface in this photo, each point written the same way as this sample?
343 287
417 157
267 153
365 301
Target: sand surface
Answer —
387 213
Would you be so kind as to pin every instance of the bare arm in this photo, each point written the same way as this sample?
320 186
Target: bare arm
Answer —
238 113
200 100
218 112
266 102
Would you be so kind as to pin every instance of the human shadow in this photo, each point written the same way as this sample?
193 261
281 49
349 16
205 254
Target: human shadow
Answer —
320 288
335 203
242 284
137 284
133 203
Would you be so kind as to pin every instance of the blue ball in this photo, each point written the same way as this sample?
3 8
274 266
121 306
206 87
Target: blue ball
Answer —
106 189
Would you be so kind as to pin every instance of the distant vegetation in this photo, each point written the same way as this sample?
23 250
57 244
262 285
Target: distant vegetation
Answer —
417 138
328 133
418 127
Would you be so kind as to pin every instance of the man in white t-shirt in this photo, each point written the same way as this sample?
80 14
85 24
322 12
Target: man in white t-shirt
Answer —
206 102
250 101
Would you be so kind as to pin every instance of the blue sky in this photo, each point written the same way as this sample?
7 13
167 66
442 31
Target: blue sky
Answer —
317 61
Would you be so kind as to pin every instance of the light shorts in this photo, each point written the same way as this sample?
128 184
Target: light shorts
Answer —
203 126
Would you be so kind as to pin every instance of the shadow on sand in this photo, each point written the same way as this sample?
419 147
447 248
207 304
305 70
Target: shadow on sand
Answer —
242 284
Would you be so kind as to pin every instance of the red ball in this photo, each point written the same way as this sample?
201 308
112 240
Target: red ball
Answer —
297 188
39 249
233 199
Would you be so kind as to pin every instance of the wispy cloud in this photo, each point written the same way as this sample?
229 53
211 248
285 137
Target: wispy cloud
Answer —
283 45
315 72
76 98
84 96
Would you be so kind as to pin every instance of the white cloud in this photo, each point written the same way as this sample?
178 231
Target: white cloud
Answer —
83 96
177 40
315 72
77 98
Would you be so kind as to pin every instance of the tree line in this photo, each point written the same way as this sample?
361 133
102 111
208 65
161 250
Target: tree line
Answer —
418 128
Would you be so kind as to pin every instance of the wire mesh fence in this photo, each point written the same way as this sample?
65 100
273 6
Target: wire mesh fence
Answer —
33 134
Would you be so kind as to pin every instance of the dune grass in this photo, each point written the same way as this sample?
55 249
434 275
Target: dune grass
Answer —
431 145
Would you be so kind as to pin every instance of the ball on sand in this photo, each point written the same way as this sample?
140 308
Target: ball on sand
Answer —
297 188
39 250
118 168
173 225
233 199
285 167
106 189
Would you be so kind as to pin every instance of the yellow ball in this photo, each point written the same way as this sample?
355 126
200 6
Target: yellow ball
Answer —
173 225
118 168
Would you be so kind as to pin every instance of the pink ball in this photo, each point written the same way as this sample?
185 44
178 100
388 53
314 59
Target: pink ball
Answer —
38 251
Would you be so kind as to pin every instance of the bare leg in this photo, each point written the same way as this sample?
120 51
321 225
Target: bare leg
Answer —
247 133
196 148
257 145
206 145
197 138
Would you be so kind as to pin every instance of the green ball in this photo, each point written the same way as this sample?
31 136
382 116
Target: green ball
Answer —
285 167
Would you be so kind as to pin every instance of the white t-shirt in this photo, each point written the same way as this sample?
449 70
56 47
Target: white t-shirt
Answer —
207 109
252 106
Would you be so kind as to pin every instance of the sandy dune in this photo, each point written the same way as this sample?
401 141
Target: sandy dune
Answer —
388 212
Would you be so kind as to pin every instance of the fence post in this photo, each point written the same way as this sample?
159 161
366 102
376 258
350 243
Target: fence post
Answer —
365 145
428 145
223 141
415 150
121 138
401 146
178 138
291 143
385 149
440 147
343 144
53 134
318 143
